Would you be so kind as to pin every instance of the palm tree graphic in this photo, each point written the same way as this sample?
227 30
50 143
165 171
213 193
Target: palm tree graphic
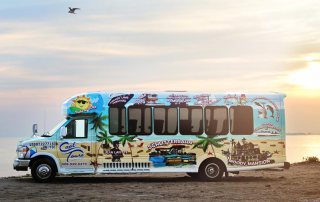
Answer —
102 135
206 141
104 138
98 122
126 139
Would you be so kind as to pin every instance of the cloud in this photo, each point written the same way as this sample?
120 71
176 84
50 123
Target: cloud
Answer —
47 55
48 40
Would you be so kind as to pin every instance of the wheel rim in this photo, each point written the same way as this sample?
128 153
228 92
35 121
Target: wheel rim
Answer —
44 171
212 170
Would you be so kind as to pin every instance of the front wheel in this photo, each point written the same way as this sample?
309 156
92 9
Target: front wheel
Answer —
43 170
211 171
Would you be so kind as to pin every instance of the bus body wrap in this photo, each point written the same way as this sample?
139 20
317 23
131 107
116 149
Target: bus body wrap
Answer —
203 134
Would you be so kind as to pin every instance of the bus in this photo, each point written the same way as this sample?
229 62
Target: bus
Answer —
206 135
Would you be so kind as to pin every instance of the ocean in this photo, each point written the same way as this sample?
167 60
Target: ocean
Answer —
297 148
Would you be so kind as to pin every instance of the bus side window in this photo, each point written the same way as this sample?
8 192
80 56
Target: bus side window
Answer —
140 118
191 121
241 120
165 121
216 120
117 121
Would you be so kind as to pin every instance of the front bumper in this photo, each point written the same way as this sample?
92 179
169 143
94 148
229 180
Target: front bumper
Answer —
21 164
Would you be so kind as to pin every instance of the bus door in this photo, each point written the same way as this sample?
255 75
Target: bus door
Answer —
75 147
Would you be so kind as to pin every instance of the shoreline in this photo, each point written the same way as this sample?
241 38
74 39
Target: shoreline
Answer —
299 183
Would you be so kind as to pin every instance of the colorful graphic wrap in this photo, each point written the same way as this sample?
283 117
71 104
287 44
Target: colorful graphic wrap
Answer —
267 129
178 99
247 154
167 142
163 151
71 150
120 100
31 151
267 108
82 104
204 100
146 99
171 153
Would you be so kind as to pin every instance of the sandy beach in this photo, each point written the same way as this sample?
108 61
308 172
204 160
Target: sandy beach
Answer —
299 183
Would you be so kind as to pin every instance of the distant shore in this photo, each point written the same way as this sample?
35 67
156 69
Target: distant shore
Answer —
302 133
299 183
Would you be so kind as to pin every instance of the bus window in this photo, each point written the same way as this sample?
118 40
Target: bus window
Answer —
77 129
117 121
216 120
241 120
139 120
191 121
165 121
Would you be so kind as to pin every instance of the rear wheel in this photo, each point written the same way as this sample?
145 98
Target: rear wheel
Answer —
43 170
211 170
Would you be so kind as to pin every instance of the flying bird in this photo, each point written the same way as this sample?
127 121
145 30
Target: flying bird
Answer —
72 10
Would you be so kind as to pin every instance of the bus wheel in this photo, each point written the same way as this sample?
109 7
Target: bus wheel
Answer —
193 175
211 170
43 170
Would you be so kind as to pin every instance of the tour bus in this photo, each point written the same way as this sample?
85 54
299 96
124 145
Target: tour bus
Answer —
206 135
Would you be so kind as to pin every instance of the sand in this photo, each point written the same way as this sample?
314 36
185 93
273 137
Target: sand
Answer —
299 183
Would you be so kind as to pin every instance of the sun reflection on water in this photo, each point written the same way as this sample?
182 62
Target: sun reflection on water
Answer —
302 146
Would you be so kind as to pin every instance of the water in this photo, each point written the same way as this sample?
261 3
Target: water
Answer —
302 146
297 147
8 154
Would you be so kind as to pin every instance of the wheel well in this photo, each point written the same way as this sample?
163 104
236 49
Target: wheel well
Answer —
43 157
215 160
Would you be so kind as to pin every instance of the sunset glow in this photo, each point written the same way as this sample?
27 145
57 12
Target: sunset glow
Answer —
309 77
48 54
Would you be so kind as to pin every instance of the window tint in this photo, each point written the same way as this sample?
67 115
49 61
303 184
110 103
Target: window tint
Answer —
216 120
77 129
117 121
165 121
191 121
241 120
139 120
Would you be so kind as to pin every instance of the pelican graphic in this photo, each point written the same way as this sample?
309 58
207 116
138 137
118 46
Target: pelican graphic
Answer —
72 10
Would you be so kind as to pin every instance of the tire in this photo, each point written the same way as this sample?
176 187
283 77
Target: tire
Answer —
193 175
211 170
43 170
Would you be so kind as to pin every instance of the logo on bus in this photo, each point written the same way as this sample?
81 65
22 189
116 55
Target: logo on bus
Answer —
72 150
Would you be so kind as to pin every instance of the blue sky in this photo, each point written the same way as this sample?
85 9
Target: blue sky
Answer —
47 54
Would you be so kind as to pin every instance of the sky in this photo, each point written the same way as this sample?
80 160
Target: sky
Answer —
48 55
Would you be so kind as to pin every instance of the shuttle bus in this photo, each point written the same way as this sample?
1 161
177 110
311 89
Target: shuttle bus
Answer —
206 135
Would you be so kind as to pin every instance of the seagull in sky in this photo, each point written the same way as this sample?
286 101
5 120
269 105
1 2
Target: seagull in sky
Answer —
72 10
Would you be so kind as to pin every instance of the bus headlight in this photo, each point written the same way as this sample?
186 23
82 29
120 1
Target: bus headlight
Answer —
22 151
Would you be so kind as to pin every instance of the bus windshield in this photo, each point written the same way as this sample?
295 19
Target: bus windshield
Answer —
54 129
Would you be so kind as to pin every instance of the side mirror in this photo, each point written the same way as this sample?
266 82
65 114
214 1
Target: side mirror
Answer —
63 132
35 129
